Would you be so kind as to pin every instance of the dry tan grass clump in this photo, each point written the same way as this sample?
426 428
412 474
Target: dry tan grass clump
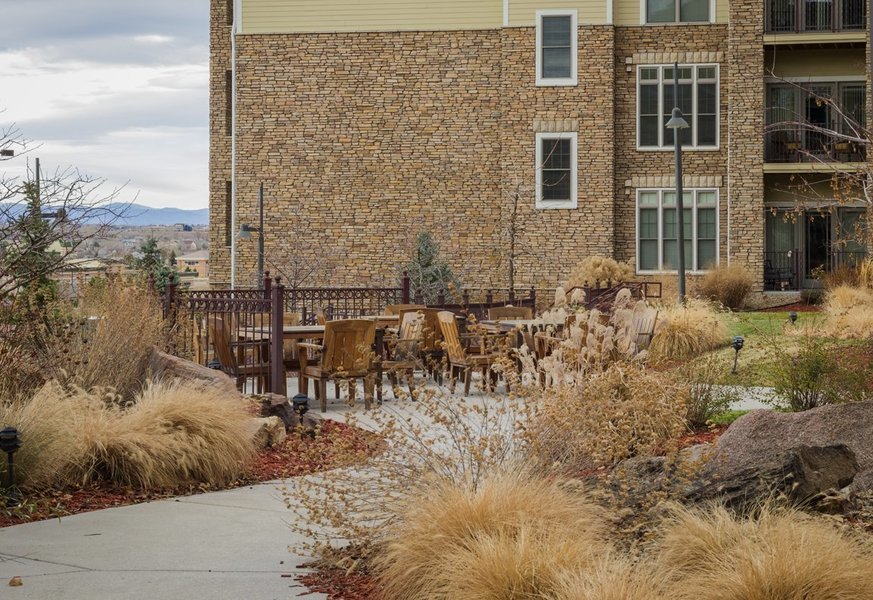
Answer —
598 268
172 434
110 347
778 555
687 331
848 312
728 285
510 538
613 578
623 411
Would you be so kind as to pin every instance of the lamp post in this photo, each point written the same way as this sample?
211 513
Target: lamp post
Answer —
737 345
10 441
677 122
246 230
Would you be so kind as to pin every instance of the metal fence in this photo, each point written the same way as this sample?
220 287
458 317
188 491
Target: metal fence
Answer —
800 16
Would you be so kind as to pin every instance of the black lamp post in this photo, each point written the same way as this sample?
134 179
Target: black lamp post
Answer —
246 231
792 316
737 346
677 123
10 441
300 403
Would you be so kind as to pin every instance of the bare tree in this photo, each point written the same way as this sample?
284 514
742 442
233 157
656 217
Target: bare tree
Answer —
515 241
45 219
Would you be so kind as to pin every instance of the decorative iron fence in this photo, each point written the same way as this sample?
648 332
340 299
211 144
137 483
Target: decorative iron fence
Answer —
602 294
797 144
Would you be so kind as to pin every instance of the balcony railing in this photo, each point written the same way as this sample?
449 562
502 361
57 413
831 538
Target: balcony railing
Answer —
786 270
799 145
808 16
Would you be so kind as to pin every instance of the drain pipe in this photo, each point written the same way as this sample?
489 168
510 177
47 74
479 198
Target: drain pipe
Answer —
234 27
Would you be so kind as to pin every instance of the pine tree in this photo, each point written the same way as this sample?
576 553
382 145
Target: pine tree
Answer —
429 276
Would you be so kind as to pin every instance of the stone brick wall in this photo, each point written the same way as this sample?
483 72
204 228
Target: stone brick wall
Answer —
364 139
219 141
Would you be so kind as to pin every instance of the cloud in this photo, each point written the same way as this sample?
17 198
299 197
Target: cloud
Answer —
119 89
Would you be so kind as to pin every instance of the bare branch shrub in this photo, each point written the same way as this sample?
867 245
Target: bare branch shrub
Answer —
598 268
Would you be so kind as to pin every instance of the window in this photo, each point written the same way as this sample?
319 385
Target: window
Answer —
228 213
658 231
228 102
698 100
556 170
557 34
677 11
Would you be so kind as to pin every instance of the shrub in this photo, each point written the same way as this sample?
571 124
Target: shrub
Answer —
728 285
598 268
172 434
687 331
711 555
429 275
621 412
706 399
110 347
841 276
510 537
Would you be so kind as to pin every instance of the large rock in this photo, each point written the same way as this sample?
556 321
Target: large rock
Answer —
267 432
274 405
162 364
762 435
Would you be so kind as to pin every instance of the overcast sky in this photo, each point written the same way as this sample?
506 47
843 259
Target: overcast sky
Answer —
116 88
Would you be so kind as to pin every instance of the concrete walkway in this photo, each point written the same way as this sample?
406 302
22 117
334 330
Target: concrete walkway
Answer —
221 545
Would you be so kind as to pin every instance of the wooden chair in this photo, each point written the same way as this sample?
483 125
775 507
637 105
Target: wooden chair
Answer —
320 316
396 309
346 353
403 350
430 349
510 313
460 360
644 327
229 351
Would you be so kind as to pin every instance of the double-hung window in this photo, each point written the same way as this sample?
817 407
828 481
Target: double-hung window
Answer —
556 39
658 230
698 100
678 11
556 170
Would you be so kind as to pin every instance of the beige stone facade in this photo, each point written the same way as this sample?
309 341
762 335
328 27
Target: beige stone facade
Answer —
362 139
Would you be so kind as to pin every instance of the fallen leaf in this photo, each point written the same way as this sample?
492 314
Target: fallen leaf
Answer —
16 581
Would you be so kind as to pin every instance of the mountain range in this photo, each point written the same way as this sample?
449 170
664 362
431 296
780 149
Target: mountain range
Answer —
134 215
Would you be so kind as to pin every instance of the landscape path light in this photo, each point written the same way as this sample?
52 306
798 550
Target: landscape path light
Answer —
10 441
677 123
792 316
300 402
737 346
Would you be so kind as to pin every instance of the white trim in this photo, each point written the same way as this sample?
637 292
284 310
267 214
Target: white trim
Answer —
694 113
506 13
712 11
233 30
574 170
609 12
237 16
643 12
692 260
574 48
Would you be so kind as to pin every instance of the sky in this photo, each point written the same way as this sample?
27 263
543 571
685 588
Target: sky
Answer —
115 88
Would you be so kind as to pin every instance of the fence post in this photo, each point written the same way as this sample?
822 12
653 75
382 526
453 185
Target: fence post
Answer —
512 295
404 292
466 297
277 359
586 289
489 297
418 297
441 299
268 283
533 298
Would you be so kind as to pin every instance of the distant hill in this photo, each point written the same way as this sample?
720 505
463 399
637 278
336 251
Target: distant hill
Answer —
137 215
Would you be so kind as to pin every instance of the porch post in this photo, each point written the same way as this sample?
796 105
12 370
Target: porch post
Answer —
277 358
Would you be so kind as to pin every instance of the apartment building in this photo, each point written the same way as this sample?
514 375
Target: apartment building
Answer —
369 121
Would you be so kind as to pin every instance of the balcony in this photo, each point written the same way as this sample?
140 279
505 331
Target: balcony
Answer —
815 16
798 144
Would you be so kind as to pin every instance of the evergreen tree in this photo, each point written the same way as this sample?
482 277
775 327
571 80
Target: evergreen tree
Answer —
429 276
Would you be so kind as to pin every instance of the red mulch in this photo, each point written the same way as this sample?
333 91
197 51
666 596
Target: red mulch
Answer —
705 436
340 585
797 307
335 445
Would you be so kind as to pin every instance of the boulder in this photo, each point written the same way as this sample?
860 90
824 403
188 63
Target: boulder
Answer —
267 432
162 364
274 405
762 435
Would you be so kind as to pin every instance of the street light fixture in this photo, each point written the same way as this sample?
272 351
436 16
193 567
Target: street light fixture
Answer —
677 122
246 231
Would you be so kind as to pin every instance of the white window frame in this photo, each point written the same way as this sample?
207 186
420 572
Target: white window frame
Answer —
668 145
644 14
691 266
574 168
574 48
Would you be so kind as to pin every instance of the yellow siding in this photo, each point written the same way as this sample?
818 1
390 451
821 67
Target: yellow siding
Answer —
522 13
816 63
312 16
627 12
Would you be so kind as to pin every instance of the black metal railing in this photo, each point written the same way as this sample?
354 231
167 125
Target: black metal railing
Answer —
787 270
799 144
806 16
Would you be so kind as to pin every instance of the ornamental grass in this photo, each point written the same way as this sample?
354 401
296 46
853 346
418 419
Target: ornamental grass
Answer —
686 331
